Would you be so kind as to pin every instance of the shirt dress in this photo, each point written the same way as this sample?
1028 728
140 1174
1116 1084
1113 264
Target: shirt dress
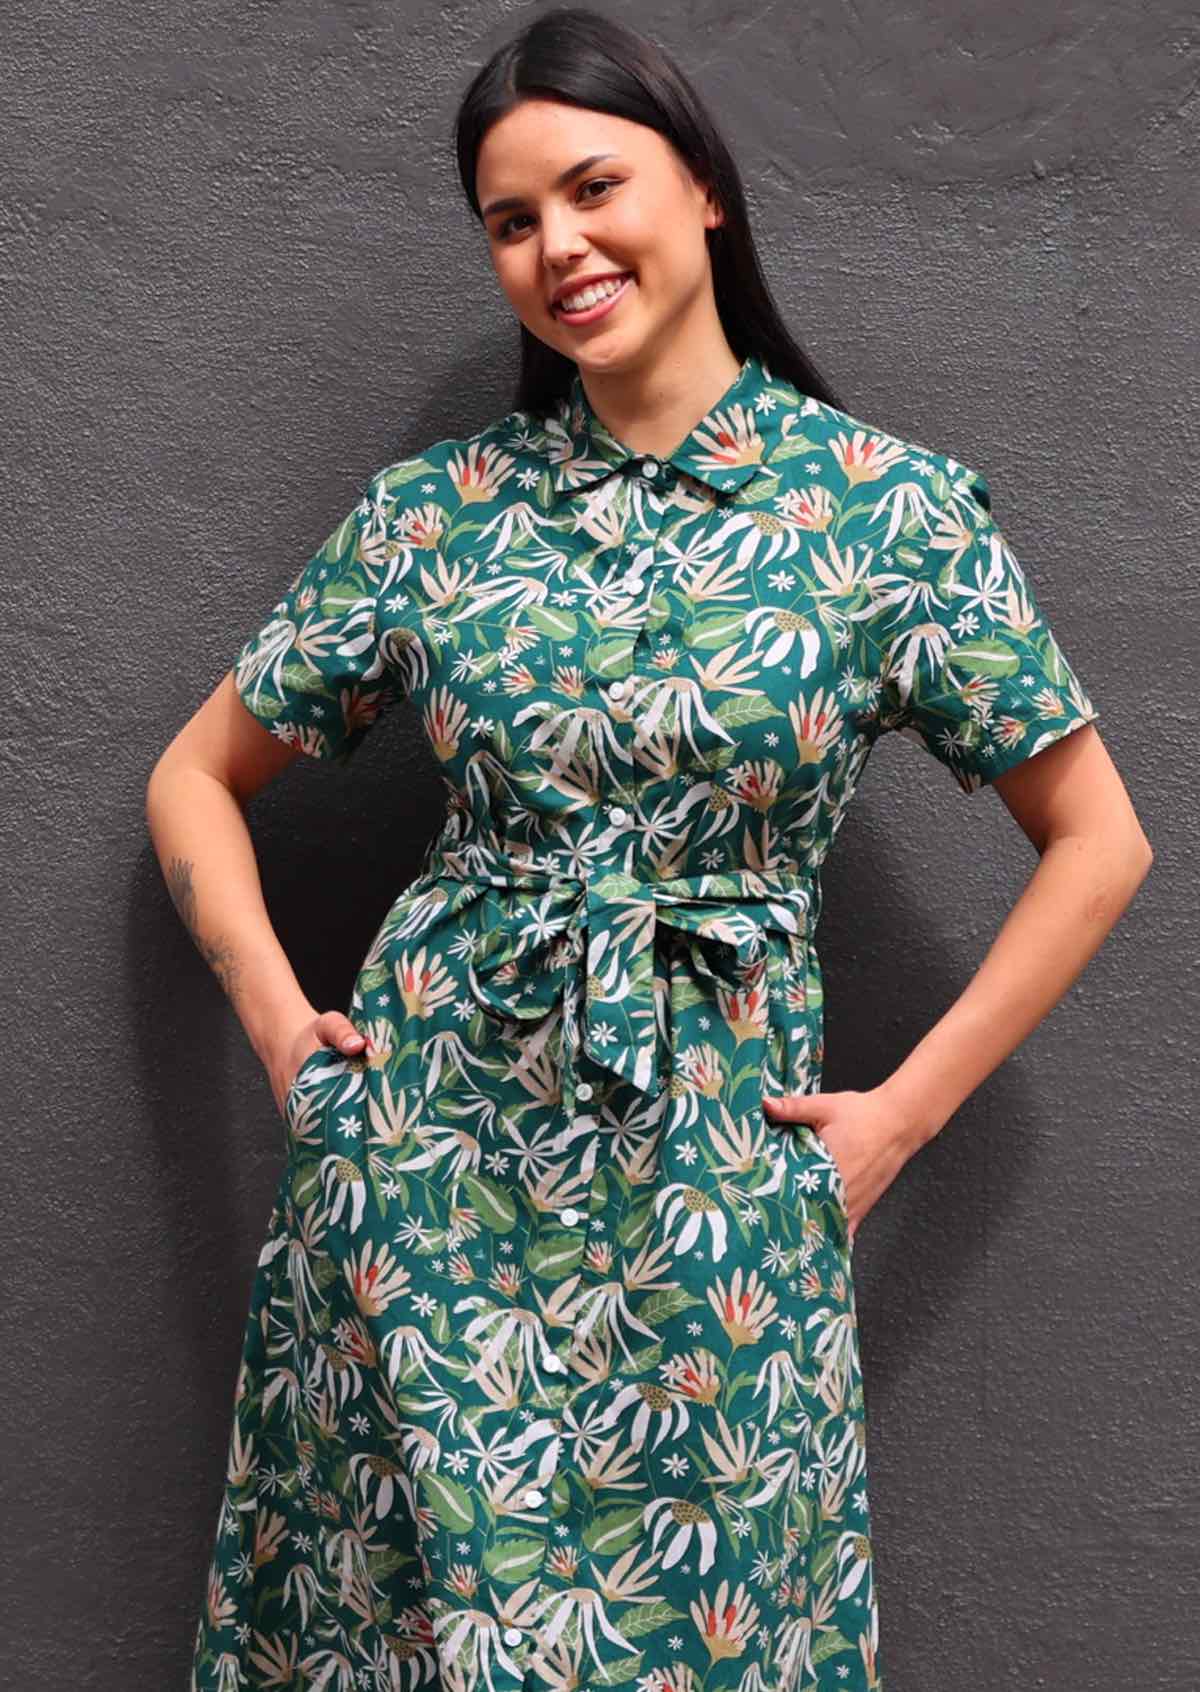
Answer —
551 1373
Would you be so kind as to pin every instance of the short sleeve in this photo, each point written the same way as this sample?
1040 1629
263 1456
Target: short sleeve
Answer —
316 673
970 668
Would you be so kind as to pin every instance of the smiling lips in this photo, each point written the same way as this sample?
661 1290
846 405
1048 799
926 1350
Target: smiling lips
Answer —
609 291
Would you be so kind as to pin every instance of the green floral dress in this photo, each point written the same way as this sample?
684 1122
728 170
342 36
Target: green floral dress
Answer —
551 1374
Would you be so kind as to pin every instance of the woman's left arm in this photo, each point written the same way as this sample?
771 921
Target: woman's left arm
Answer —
1092 857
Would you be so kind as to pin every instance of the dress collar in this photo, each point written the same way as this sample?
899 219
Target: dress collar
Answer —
725 449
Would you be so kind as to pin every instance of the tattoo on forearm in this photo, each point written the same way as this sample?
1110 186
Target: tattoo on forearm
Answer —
183 894
219 955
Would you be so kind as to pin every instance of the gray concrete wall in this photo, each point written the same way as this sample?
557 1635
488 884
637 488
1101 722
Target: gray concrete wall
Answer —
238 278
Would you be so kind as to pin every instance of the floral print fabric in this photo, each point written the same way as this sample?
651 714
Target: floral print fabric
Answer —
551 1375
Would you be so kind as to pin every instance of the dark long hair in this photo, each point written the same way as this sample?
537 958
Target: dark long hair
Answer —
579 57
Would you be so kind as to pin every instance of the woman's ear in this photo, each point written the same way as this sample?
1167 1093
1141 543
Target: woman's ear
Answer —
714 214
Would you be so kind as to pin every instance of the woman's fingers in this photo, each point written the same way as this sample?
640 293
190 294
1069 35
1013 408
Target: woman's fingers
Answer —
794 1107
335 1029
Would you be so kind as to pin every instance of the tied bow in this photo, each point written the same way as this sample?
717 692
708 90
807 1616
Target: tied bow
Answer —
746 933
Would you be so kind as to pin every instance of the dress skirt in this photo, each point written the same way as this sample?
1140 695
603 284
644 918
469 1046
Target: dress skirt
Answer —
551 1372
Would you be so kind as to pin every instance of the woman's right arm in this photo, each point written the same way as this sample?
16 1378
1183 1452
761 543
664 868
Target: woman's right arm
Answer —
194 811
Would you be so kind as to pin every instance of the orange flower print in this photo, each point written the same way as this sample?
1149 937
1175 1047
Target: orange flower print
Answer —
725 1622
424 985
478 472
817 725
745 1312
445 722
375 1278
863 457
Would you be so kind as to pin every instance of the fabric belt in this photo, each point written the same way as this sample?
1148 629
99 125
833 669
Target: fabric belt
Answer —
584 945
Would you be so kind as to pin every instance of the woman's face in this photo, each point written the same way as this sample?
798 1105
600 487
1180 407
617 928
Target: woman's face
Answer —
636 212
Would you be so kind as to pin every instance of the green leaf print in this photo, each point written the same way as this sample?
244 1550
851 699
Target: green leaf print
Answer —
792 448
609 657
342 595
553 1255
298 678
553 620
494 1203
984 657
511 1558
384 1563
645 1618
744 709
635 1224
611 1531
450 1502
400 474
664 1306
828 1642
306 1179
716 628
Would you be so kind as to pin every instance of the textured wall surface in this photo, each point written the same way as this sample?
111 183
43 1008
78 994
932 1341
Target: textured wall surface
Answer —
238 278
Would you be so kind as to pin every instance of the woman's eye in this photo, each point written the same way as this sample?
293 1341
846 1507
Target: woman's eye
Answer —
595 182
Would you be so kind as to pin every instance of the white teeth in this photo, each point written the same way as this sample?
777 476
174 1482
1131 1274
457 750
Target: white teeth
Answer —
592 296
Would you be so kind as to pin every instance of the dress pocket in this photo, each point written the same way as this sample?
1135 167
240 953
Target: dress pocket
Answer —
299 1080
836 1186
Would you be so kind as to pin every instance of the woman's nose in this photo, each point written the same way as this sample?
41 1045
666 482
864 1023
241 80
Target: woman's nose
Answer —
562 239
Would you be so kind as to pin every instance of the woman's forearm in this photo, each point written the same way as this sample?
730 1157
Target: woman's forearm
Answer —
207 857
1080 888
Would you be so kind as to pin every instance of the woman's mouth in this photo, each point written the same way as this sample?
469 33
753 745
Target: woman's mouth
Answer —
592 313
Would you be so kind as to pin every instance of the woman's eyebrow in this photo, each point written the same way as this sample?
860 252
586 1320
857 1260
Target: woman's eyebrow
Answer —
560 181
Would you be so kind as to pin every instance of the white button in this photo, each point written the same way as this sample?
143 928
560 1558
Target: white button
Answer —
534 1498
650 466
570 1216
616 690
618 815
553 1365
634 584
513 1636
584 1090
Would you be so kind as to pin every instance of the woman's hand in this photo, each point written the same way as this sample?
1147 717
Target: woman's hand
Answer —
330 1028
864 1136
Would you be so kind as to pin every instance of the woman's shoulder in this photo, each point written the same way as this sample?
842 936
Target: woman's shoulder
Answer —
475 465
864 449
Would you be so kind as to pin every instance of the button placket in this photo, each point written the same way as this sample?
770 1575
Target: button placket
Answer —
655 513
575 1217
591 1274
612 664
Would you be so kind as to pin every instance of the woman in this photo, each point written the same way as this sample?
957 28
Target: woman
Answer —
551 1375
